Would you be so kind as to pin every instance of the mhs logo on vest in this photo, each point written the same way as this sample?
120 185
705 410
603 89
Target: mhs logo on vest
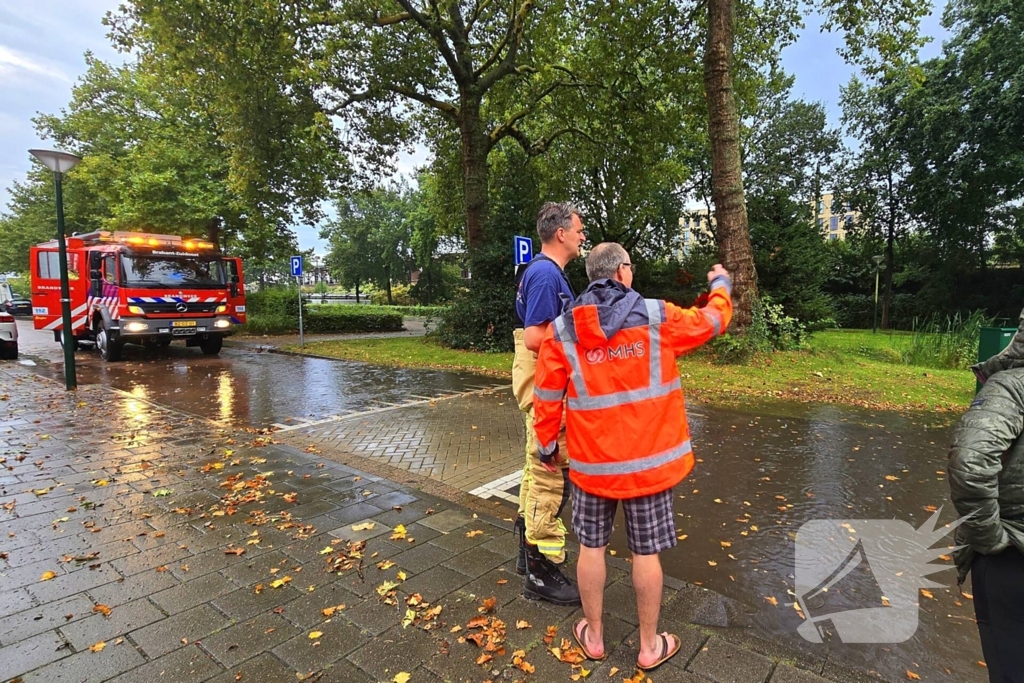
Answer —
620 352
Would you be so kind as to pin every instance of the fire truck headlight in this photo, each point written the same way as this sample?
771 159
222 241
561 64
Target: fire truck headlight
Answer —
222 323
137 310
136 327
222 309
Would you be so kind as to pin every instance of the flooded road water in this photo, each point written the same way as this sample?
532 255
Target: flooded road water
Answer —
760 476
240 387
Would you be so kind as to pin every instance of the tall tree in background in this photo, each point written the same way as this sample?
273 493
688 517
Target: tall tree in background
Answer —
878 35
876 174
370 239
375 68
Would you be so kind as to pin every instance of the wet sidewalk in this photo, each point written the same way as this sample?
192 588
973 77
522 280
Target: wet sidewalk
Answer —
144 544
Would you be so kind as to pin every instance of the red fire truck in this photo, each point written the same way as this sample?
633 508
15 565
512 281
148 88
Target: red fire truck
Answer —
139 288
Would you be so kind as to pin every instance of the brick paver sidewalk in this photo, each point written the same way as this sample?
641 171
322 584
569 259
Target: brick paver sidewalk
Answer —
140 544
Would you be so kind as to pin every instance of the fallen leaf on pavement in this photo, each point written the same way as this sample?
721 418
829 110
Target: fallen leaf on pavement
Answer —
911 676
280 582
522 624
398 533
772 600
47 576
471 534
487 605
102 609
313 635
235 551
401 677
365 526
98 647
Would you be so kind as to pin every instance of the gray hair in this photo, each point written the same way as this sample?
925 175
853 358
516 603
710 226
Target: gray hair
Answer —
604 260
552 216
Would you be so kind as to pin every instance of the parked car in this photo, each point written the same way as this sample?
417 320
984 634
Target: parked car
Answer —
18 306
11 302
8 336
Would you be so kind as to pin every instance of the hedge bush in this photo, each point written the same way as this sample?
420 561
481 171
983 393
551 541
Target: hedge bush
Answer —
350 319
269 323
274 301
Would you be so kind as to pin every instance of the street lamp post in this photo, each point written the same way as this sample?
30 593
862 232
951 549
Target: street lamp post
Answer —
60 163
879 266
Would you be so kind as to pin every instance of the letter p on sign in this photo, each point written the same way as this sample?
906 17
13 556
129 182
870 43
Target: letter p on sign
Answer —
523 249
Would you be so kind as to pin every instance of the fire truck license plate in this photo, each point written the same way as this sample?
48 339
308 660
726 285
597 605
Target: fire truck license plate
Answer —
183 323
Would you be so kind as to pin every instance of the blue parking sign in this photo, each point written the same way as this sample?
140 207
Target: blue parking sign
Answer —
523 249
296 266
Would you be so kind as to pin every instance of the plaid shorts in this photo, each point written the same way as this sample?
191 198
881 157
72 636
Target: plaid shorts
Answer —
650 521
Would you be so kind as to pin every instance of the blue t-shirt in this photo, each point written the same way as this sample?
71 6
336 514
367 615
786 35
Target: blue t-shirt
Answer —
537 300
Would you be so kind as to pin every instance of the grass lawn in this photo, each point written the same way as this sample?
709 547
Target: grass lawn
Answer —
850 367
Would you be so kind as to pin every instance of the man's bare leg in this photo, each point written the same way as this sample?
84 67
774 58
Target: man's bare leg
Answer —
590 575
647 582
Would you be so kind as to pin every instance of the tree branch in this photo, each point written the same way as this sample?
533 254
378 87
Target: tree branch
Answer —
444 107
481 5
540 146
501 130
512 39
438 35
393 19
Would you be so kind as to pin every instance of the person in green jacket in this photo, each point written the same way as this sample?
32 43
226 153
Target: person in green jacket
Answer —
986 480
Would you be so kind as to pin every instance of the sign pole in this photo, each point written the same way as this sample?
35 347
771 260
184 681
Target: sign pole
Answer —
302 341
67 333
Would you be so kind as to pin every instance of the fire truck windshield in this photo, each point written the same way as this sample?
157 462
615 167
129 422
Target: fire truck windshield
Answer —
167 271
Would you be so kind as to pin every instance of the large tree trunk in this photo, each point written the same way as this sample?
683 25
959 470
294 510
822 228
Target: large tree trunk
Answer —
890 238
475 147
733 235
213 232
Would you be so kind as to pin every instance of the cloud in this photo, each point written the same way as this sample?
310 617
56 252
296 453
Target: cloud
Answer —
16 67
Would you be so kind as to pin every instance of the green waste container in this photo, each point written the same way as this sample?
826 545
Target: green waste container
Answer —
993 340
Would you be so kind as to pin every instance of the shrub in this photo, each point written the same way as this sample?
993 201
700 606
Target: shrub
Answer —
399 296
269 323
770 330
950 342
274 301
351 319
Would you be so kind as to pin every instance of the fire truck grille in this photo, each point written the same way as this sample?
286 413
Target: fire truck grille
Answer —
173 307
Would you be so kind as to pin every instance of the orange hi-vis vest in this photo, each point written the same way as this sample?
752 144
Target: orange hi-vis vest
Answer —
611 357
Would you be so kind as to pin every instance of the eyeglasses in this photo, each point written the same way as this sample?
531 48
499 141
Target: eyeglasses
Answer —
628 265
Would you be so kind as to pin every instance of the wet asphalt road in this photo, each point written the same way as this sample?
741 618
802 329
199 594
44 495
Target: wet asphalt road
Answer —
761 474
241 387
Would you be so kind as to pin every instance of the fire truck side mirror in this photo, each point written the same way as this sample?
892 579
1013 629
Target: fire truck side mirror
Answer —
234 287
96 282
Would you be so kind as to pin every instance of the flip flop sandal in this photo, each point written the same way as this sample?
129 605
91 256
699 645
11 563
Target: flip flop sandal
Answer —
580 634
666 652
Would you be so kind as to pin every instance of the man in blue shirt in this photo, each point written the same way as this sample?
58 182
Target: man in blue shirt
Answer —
541 291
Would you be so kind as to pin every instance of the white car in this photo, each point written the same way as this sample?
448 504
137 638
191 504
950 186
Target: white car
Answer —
8 336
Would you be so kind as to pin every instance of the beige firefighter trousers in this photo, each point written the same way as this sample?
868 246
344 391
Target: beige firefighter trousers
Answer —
542 494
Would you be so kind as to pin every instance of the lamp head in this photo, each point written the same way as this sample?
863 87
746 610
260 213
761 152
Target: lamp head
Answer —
878 260
58 162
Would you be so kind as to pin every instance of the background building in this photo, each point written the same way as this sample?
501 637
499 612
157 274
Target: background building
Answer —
832 219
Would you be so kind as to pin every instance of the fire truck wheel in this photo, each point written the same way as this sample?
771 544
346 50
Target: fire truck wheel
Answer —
110 347
211 345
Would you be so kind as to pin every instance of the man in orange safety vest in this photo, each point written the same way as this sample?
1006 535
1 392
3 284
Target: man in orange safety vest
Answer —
611 357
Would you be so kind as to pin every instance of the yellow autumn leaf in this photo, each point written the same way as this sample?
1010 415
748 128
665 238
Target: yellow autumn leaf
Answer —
712 563
47 576
911 676
471 534
398 533
522 624
327 550
98 647
402 576
927 593
313 635
410 616
401 677
772 600
280 582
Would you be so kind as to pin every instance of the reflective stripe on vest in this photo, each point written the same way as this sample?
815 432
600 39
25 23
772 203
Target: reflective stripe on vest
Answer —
715 317
631 466
656 389
549 394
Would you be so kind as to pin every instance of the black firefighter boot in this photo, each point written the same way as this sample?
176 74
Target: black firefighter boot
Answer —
544 581
520 531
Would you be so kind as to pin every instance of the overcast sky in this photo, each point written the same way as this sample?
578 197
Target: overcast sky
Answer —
42 44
